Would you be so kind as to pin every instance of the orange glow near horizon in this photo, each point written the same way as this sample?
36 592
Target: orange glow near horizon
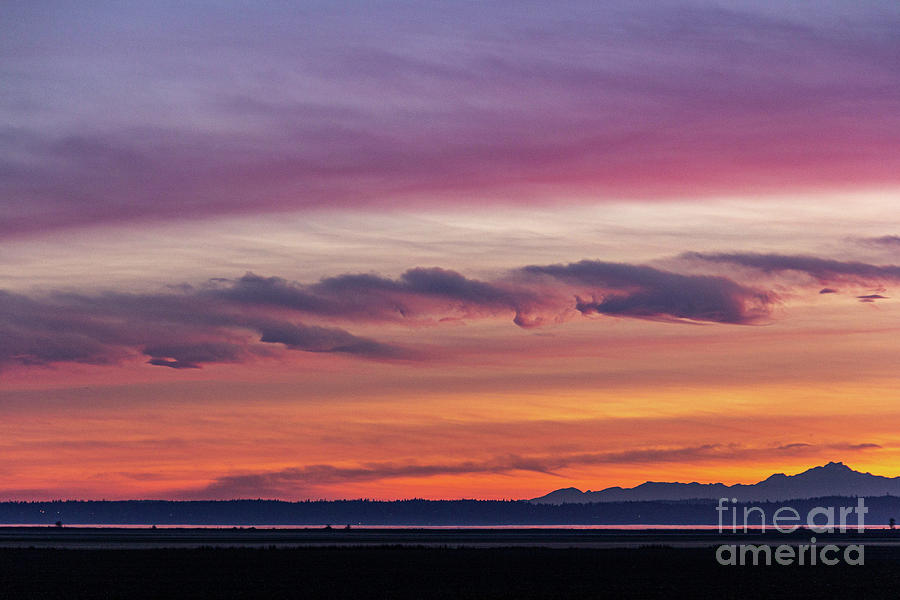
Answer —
390 432
485 261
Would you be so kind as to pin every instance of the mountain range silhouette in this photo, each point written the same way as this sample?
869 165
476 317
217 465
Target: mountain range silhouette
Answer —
833 479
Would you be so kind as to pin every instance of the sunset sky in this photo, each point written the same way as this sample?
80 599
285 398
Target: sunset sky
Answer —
445 249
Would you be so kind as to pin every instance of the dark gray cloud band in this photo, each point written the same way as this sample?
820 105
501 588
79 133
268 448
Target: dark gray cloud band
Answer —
177 330
229 320
824 270
644 292
295 481
233 320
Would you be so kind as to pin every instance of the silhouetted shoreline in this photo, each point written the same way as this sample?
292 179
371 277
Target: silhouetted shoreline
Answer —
487 513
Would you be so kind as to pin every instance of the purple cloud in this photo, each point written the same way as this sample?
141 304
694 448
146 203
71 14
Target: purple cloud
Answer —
283 107
177 330
822 269
233 320
889 241
190 356
644 292
367 296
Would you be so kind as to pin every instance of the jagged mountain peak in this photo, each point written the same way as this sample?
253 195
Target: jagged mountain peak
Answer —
833 467
831 479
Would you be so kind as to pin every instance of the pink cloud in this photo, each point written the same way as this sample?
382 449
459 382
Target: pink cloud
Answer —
510 108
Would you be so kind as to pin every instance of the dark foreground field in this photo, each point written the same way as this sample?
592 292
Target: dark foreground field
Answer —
428 572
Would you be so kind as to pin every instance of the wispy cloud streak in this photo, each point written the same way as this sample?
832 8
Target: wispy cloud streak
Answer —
823 270
301 480
272 112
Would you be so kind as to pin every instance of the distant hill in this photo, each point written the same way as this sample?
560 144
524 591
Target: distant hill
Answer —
833 479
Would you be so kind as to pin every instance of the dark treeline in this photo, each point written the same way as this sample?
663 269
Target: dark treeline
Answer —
412 512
